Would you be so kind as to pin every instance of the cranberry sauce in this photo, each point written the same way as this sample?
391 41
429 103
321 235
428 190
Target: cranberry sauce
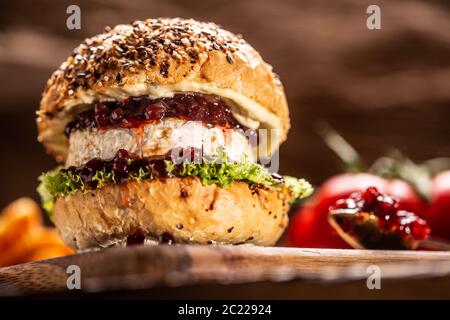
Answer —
122 165
390 218
138 238
125 165
166 238
135 111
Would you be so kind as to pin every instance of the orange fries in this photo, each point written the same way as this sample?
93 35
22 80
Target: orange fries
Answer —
23 238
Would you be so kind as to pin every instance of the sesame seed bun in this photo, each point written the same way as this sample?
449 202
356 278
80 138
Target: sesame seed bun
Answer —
182 207
157 57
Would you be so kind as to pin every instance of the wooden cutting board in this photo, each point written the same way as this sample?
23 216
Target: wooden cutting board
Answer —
188 271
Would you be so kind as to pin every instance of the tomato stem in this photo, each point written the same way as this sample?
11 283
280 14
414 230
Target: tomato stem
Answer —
349 157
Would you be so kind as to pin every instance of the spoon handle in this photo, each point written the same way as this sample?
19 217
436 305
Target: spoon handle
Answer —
432 243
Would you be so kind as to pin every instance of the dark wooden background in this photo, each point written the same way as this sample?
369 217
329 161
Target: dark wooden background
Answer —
380 89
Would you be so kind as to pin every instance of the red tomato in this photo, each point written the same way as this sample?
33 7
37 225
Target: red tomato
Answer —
438 215
310 227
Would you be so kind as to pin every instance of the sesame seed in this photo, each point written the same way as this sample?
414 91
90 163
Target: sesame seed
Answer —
185 42
230 59
176 56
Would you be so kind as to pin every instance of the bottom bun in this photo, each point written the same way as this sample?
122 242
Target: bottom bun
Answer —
180 209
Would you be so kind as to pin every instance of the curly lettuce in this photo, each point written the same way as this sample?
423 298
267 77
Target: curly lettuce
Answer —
220 171
299 188
56 183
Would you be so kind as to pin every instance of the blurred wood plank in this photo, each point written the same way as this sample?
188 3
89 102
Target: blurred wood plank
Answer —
139 269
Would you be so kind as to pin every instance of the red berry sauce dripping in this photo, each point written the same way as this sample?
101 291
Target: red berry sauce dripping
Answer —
136 238
385 207
166 238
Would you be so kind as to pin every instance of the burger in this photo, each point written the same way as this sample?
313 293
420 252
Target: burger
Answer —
163 129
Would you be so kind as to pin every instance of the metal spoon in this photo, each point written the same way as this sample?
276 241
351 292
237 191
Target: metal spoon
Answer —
361 230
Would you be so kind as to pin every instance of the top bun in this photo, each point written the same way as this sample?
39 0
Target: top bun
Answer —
158 57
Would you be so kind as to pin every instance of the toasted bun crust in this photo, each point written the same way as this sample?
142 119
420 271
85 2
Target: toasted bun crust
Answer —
190 211
155 57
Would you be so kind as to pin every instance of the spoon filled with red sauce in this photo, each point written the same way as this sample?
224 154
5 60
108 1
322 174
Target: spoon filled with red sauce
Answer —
372 220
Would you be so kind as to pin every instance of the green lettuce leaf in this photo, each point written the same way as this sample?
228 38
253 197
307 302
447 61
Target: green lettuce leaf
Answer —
299 188
220 171
56 183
